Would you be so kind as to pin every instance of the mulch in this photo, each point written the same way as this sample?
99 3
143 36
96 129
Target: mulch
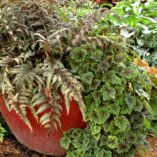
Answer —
152 152
10 147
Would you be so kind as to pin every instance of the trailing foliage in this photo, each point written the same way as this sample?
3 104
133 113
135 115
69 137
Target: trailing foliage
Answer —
136 21
117 97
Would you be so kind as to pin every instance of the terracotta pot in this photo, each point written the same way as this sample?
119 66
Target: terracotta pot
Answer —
41 139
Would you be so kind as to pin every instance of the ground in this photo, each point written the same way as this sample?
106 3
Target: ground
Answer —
10 147
152 152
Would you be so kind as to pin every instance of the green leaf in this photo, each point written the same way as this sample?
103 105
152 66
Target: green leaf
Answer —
87 77
65 142
97 136
121 122
125 109
3 132
108 92
83 69
95 129
129 72
112 142
139 106
74 66
142 93
71 154
103 66
119 90
112 78
131 138
97 55
147 107
120 57
108 154
123 147
100 116
109 127
86 143
153 102
100 153
77 142
89 100
130 101
95 84
79 54
97 95
114 108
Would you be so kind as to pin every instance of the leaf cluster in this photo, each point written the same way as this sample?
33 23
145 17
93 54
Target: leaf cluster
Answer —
117 96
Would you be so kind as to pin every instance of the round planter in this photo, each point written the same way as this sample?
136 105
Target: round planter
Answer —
41 139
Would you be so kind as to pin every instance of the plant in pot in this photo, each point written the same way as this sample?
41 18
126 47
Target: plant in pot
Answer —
53 57
40 99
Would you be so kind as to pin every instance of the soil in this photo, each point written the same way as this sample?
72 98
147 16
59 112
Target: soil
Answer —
152 152
10 147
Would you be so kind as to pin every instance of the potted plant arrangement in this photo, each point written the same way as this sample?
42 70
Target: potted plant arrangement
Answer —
39 96
63 68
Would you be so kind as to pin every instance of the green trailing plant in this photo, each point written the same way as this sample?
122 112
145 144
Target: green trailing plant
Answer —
136 21
117 97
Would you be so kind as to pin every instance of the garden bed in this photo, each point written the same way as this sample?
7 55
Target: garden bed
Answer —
84 54
10 147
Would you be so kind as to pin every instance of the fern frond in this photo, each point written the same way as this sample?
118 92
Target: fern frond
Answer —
45 118
69 86
38 98
20 110
42 108
72 89
25 75
52 116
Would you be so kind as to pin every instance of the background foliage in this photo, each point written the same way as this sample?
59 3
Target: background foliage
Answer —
137 21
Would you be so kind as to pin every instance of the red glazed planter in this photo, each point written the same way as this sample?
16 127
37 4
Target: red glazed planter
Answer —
41 139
